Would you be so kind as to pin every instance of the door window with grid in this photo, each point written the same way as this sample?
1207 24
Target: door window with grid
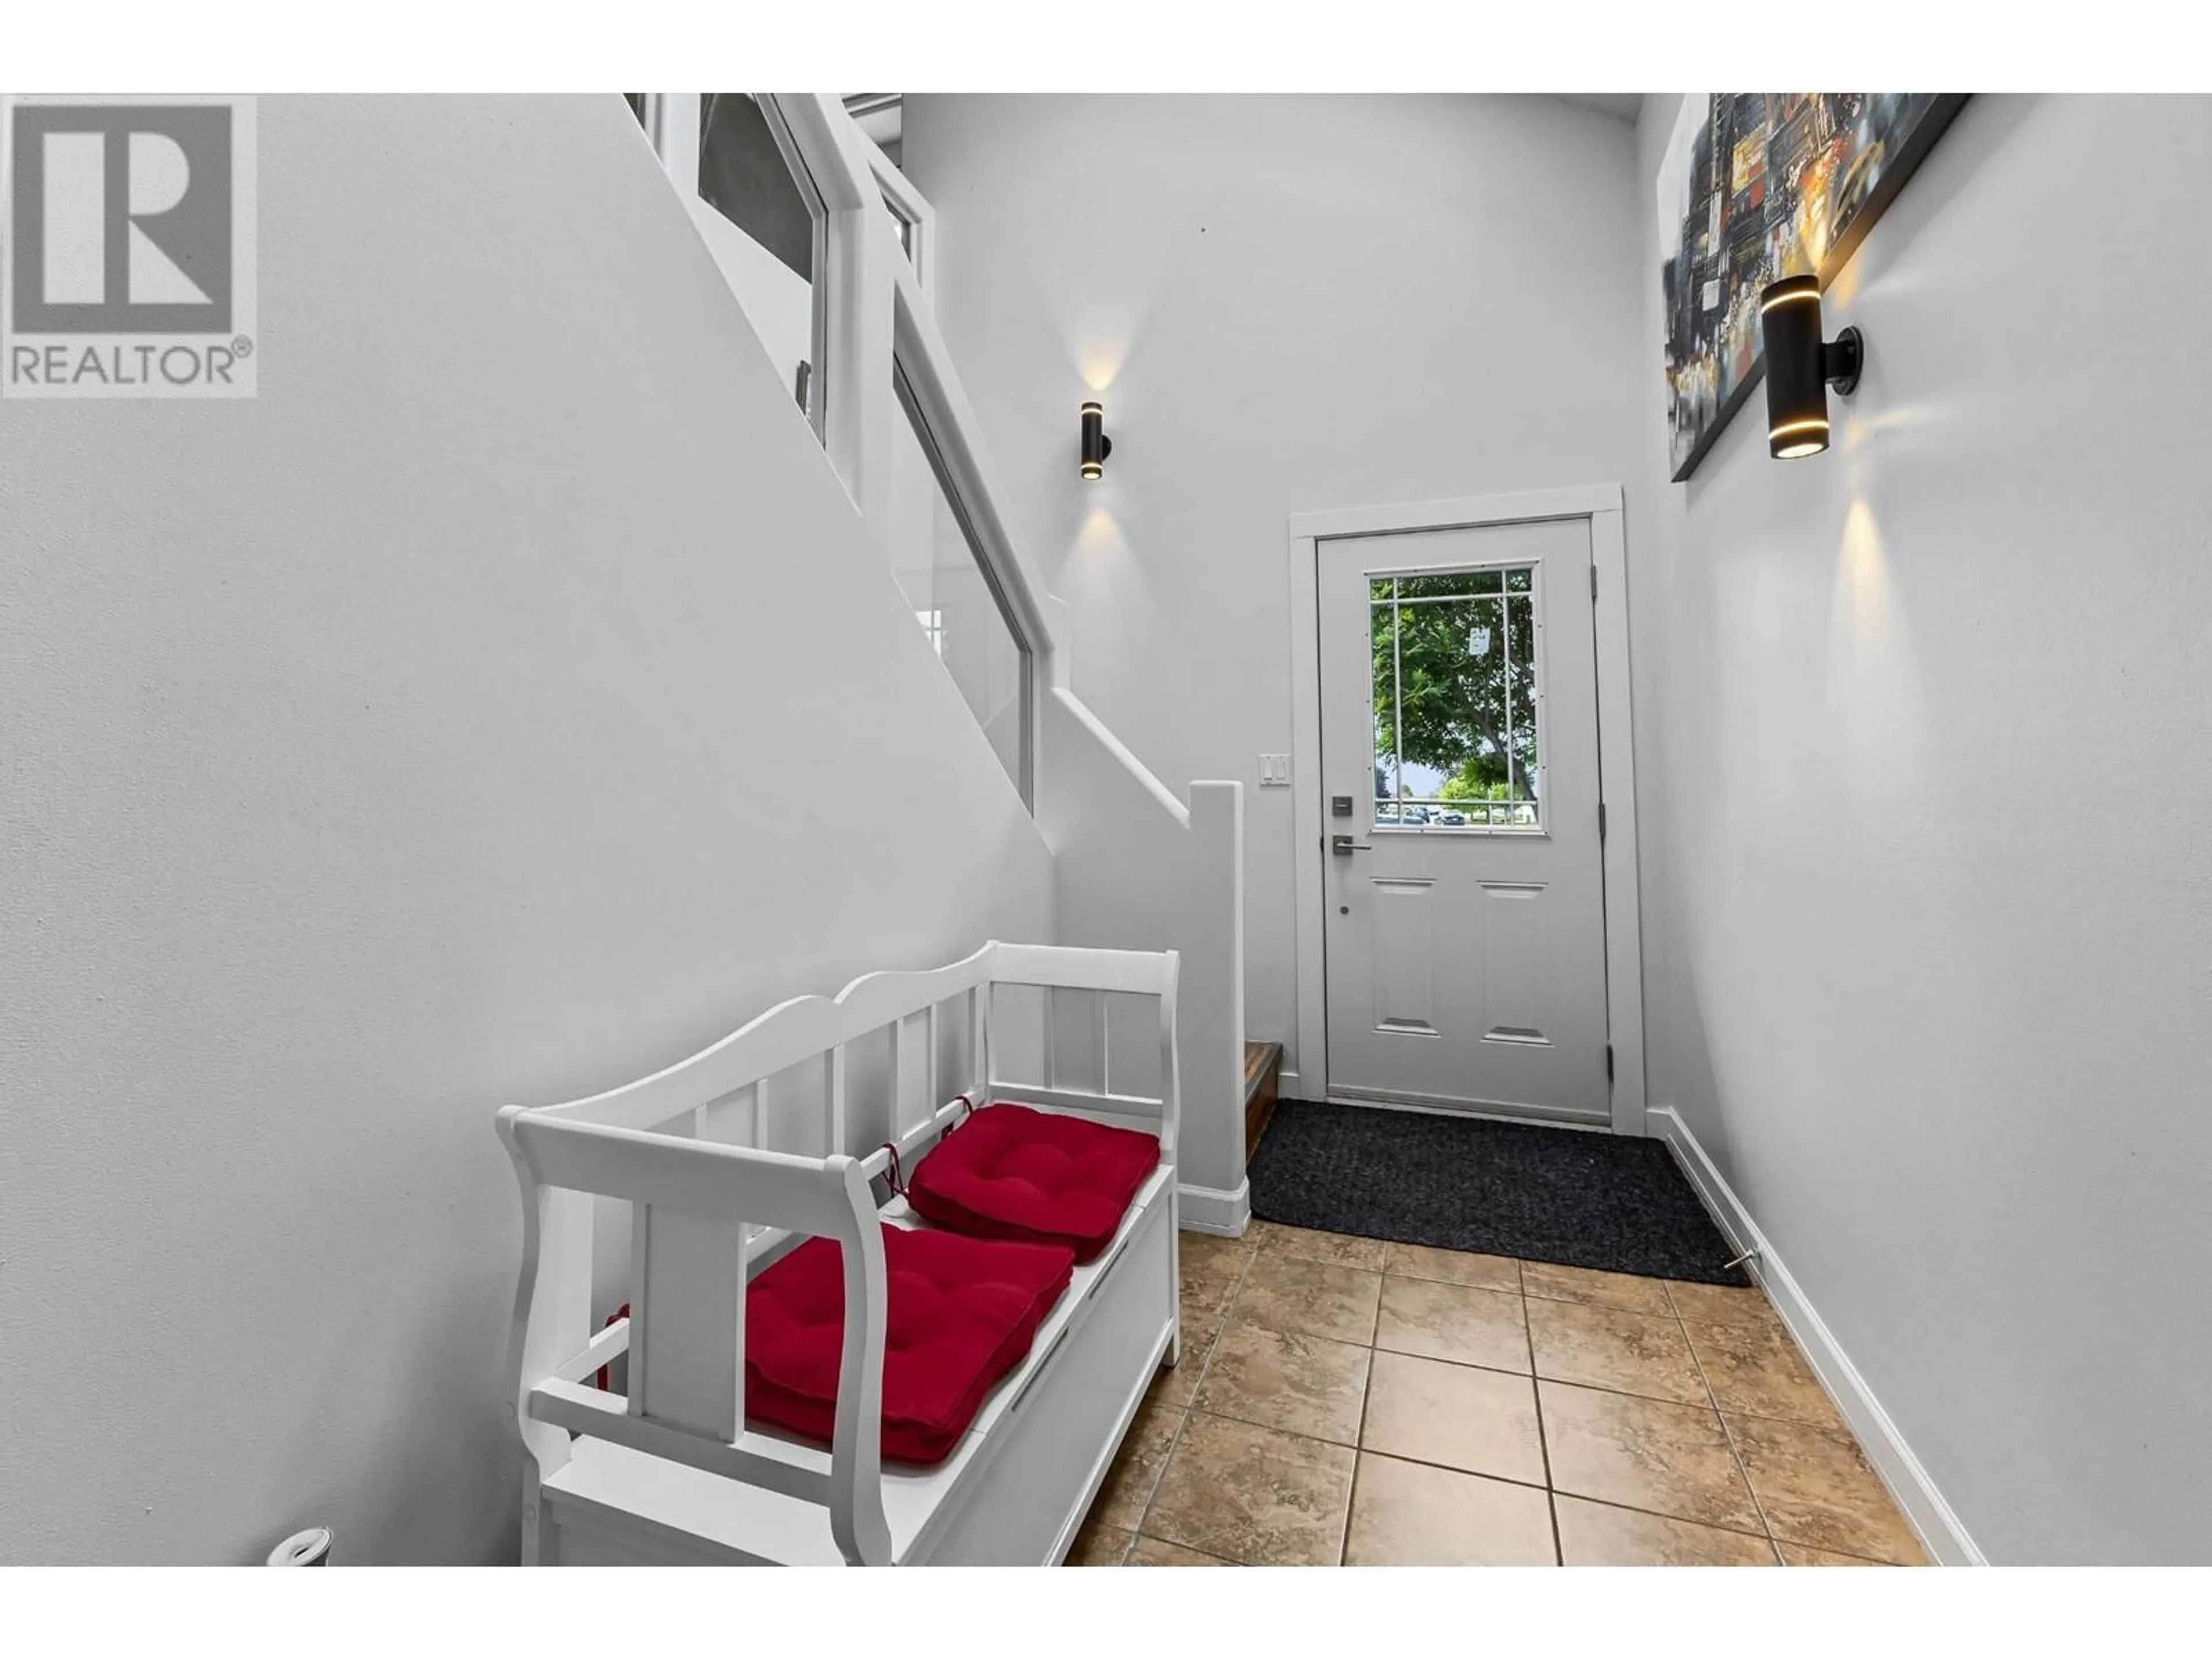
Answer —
1457 700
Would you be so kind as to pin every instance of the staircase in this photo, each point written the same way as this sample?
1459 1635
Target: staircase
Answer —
1263 1068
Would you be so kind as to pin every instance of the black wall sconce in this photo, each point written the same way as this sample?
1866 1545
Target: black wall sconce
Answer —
1097 445
1800 367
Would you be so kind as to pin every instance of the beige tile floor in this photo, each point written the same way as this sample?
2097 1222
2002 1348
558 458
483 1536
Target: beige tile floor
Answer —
1342 1400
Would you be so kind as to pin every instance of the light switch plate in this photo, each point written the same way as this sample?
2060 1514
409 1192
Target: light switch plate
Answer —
1274 771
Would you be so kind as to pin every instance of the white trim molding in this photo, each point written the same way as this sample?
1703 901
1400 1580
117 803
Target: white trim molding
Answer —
1601 504
1942 1533
910 208
1211 1209
1521 507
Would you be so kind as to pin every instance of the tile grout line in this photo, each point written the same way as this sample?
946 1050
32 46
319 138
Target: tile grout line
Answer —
1679 1520
1543 1443
1848 1555
1606 1388
1580 1498
1360 1448
1351 1496
1728 1433
1543 1439
1366 1388
1542 1484
1374 1329
1191 1404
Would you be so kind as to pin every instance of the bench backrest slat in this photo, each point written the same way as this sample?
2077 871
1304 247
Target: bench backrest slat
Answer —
687 1319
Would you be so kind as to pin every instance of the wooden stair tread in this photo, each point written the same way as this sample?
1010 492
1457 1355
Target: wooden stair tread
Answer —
1259 1059
1263 1066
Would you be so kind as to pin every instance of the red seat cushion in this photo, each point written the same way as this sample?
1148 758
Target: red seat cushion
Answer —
962 1313
1015 1172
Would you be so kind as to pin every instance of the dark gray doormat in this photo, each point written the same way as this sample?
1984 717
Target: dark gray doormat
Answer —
1465 1183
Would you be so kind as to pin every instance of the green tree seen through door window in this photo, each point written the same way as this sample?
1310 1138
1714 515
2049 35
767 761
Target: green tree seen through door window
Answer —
1455 682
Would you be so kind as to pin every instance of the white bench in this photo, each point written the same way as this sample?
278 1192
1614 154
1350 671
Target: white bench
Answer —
702 1153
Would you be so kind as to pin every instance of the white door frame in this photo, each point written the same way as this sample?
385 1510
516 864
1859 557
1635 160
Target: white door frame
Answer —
1307 1066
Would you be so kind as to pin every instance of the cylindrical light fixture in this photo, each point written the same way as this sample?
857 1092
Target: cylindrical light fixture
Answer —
1097 445
1800 368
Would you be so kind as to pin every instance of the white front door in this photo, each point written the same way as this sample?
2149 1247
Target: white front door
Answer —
1464 920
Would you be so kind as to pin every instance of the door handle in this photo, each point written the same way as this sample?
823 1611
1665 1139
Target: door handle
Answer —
1344 846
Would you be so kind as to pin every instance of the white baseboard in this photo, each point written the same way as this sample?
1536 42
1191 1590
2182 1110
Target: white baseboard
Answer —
1942 1533
1286 1086
1210 1210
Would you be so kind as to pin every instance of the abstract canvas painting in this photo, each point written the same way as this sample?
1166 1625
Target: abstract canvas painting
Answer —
1758 185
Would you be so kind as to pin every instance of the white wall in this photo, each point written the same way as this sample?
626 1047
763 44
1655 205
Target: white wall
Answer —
444 728
776 299
1925 785
1284 304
